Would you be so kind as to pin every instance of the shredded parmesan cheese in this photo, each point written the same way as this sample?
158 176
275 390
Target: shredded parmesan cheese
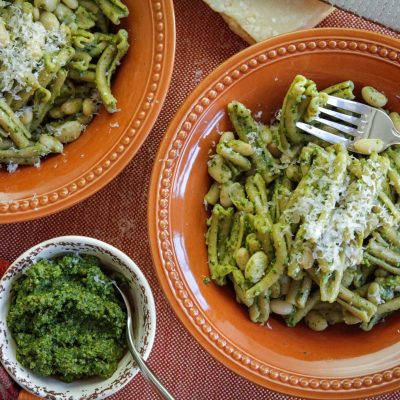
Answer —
349 219
335 238
21 60
11 167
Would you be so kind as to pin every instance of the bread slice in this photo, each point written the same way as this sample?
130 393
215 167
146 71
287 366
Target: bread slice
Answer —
257 20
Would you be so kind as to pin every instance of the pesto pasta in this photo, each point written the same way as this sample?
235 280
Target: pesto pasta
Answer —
57 59
302 228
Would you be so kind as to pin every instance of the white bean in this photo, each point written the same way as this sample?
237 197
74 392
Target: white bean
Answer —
62 12
212 195
49 21
72 4
219 170
224 197
48 5
4 35
373 97
69 131
226 137
88 107
395 117
53 144
71 107
316 321
350 319
293 173
242 257
266 135
241 147
367 146
35 14
26 116
373 293
256 266
281 307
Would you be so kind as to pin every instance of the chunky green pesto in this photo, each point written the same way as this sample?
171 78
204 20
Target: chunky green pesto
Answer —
67 319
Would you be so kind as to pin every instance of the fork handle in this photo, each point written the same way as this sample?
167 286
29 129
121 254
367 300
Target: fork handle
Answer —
395 137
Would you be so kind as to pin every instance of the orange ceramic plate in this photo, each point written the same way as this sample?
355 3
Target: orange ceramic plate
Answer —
110 141
341 362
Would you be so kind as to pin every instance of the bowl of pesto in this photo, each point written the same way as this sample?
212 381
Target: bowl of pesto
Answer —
63 323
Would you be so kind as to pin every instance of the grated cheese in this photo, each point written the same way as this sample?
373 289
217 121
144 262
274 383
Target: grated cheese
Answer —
21 60
12 167
312 203
352 203
349 219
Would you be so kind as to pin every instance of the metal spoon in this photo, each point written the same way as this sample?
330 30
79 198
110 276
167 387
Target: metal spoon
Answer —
146 371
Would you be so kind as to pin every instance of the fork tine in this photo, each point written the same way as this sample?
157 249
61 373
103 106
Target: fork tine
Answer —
348 105
343 117
319 133
342 128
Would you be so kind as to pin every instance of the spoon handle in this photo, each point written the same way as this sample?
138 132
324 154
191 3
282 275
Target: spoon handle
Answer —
146 371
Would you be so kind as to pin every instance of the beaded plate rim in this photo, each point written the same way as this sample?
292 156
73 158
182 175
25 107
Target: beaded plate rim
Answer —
142 121
167 267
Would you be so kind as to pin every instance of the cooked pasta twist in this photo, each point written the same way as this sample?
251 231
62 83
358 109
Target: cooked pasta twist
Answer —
56 64
306 231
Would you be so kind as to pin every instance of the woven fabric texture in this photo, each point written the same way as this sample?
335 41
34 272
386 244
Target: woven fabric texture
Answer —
118 215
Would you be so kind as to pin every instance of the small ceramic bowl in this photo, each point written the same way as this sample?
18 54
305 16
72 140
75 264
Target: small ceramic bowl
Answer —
144 320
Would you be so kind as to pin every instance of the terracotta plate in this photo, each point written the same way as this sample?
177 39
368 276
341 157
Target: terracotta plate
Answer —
341 362
110 141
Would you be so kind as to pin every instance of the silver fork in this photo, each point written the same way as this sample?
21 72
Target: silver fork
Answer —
371 123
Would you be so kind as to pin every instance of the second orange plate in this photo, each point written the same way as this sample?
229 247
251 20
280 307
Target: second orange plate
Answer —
341 362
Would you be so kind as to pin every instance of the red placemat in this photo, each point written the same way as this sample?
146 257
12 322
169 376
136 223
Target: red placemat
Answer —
118 215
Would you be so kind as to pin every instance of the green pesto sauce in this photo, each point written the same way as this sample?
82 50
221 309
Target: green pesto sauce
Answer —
67 319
